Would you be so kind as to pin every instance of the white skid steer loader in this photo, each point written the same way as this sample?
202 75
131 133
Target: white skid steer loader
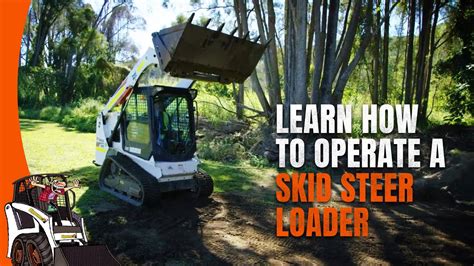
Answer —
38 235
145 136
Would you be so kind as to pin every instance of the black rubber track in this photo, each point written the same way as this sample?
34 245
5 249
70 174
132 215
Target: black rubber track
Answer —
40 241
149 184
205 184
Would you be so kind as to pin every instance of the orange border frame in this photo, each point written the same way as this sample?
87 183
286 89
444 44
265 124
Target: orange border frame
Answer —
12 158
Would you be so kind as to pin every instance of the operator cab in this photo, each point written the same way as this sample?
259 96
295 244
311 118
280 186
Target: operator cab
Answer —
159 121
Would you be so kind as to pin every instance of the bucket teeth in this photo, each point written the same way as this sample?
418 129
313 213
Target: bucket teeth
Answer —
190 19
246 35
268 42
220 27
207 23
256 39
233 31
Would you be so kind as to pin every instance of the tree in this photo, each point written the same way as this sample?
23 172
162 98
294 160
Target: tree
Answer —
48 12
295 53
340 63
409 53
386 38
459 62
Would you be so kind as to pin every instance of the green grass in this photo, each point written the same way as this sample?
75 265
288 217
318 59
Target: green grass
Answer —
52 148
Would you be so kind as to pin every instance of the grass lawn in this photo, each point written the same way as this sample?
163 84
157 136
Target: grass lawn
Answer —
51 148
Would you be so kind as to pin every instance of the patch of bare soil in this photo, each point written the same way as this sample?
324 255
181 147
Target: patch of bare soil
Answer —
238 229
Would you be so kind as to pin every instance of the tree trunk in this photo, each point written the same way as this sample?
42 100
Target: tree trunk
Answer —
423 51
344 52
253 77
330 56
344 25
263 40
347 70
386 33
49 12
376 55
272 50
409 54
28 38
426 92
320 37
297 72
309 46
239 97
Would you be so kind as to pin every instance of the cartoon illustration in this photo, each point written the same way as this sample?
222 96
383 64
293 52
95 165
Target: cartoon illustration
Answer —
50 193
43 229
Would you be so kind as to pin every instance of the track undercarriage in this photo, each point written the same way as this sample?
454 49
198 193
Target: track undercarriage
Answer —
124 179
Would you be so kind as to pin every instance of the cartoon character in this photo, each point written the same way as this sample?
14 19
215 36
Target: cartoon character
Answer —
51 192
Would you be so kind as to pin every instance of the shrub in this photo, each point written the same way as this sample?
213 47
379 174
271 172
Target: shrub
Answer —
28 113
51 113
83 116
221 149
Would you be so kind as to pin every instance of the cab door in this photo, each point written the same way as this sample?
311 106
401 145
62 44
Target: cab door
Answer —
136 126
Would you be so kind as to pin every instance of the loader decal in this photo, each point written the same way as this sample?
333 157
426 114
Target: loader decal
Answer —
37 215
69 236
115 98
100 149
141 65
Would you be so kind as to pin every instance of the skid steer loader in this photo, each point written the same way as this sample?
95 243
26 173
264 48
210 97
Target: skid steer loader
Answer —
39 236
145 135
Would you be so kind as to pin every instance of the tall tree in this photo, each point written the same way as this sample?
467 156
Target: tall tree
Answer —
333 62
423 52
295 52
256 86
272 54
239 97
319 45
49 11
429 65
376 55
386 38
409 53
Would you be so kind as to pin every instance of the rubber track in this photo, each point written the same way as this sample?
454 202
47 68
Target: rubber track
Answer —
205 184
150 185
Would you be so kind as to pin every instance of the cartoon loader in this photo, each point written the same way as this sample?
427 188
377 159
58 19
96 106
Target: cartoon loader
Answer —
43 229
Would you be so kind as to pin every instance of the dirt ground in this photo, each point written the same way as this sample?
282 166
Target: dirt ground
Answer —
238 229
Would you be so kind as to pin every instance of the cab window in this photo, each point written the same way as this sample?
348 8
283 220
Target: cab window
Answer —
137 126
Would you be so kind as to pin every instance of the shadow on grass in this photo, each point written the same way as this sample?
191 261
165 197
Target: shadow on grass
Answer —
89 195
30 125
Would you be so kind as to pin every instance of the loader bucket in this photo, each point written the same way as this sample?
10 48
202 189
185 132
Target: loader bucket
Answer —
84 255
195 52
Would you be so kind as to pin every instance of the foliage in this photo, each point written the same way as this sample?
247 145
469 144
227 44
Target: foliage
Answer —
221 149
459 63
37 86
80 115
460 102
51 113
83 116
